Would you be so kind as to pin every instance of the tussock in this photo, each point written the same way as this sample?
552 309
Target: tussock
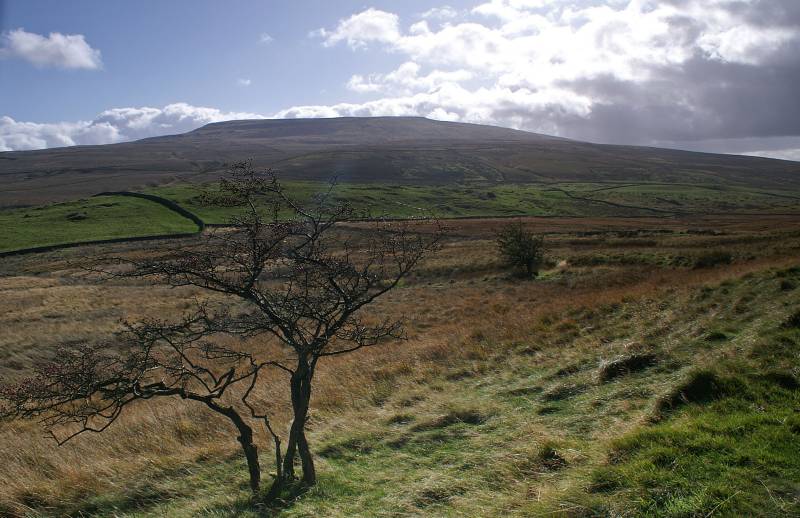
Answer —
564 391
793 322
700 386
624 365
466 415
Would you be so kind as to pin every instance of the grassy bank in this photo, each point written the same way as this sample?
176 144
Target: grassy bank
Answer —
114 217
567 199
102 217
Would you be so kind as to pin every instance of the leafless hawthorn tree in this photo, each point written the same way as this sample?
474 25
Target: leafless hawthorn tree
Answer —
282 273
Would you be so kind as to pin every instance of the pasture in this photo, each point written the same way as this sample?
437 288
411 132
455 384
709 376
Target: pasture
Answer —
91 219
111 217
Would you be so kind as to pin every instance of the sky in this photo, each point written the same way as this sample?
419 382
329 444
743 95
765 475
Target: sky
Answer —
705 75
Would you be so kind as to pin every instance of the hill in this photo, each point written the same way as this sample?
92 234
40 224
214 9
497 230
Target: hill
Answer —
397 150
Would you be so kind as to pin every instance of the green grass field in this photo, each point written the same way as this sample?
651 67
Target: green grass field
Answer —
409 201
685 198
103 217
112 217
569 199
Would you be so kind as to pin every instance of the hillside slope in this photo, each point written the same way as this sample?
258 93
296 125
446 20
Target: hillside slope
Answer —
407 150
650 371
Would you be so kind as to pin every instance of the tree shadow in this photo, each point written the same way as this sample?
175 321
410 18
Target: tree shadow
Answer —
260 506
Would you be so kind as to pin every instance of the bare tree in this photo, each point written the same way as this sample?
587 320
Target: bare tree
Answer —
283 273
521 248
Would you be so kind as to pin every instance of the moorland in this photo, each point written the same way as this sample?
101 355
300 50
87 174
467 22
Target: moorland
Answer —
651 368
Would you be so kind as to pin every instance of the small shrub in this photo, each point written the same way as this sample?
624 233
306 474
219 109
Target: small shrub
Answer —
381 392
521 248
545 459
788 272
411 400
548 409
523 391
787 285
604 480
349 448
401 418
437 494
568 370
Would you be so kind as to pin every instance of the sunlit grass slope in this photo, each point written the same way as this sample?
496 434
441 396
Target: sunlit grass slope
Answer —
548 423
475 200
114 217
102 217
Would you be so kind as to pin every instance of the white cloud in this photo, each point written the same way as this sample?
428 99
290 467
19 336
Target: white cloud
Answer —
114 125
243 82
55 50
16 135
361 84
556 40
368 26
610 70
743 44
456 103
440 13
508 10
783 154
406 80
265 38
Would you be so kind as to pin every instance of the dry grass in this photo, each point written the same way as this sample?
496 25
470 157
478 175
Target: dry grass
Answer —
459 306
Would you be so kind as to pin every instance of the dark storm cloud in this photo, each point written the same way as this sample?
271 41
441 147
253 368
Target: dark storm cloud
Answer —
764 13
702 99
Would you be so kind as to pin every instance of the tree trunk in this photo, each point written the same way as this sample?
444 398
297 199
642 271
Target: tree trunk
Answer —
298 444
245 439
309 472
251 454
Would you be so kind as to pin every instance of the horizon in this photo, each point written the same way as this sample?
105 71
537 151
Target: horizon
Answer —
422 118
413 117
681 74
